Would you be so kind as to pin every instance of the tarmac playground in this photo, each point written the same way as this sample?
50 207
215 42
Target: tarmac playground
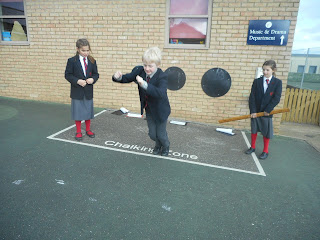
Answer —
112 187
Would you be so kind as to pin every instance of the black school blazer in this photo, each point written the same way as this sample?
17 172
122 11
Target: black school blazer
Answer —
265 102
158 101
74 72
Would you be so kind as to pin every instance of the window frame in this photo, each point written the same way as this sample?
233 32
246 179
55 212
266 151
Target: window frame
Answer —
188 46
301 66
10 43
313 67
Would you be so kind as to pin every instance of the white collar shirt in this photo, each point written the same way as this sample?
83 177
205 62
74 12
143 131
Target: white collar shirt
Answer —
82 64
152 74
265 84
145 83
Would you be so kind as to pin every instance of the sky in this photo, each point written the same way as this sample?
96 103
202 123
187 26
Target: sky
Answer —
307 33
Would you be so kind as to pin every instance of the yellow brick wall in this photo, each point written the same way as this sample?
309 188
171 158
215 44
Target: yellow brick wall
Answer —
119 32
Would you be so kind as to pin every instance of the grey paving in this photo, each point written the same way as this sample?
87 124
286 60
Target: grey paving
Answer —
195 143
61 190
307 132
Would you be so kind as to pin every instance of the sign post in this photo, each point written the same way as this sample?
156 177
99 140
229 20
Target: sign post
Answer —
268 32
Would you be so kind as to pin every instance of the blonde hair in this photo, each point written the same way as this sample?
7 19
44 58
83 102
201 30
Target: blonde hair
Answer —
152 55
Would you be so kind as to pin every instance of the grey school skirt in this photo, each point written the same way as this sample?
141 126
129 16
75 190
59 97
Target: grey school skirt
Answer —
82 109
263 125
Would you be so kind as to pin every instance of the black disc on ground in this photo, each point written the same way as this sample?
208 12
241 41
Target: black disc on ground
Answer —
176 78
216 82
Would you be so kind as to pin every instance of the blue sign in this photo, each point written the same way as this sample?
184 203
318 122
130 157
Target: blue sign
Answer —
268 32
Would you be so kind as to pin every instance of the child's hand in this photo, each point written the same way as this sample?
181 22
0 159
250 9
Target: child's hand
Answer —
139 80
253 115
82 83
117 75
89 80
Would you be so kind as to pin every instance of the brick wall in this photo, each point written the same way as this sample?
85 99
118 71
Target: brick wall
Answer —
120 31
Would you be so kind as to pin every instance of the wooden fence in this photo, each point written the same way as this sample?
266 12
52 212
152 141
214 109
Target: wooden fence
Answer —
304 106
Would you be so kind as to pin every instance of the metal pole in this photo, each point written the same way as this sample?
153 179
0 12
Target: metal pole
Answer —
305 67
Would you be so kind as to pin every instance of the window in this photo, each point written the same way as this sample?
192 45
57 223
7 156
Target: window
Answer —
13 22
300 69
312 69
188 24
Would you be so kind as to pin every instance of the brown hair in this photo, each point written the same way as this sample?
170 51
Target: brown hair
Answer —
272 64
84 42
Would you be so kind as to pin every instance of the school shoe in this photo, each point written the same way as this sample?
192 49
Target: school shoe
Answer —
78 136
250 150
165 151
156 150
263 155
90 134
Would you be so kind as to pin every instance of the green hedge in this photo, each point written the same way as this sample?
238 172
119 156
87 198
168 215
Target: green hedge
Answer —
308 77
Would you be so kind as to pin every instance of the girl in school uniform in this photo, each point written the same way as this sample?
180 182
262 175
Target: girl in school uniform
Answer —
152 85
82 72
265 95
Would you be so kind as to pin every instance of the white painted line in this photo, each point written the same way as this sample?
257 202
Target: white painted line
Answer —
157 156
97 114
254 156
66 129
55 134
261 172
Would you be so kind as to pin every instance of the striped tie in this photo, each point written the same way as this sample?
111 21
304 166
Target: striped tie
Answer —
85 64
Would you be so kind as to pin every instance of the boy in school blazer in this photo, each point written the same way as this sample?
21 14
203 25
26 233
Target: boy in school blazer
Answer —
152 86
156 91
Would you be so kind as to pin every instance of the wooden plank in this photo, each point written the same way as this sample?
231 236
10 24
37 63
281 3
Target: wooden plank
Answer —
298 108
290 103
285 104
316 110
306 110
294 105
311 108
303 104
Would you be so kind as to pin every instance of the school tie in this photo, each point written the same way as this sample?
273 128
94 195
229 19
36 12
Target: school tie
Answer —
85 63
267 80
